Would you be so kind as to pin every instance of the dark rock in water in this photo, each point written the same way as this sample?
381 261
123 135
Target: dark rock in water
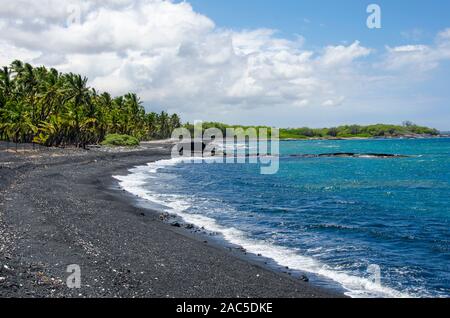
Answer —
304 278
175 224
349 155
164 217
193 148
190 226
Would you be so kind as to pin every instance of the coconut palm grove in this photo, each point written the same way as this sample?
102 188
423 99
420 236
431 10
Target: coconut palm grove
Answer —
50 108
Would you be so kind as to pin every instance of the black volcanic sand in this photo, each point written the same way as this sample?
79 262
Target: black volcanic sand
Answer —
58 207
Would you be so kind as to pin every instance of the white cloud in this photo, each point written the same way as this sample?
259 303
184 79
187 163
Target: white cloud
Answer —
342 55
334 102
444 36
172 55
419 58
415 34
10 52
179 59
408 48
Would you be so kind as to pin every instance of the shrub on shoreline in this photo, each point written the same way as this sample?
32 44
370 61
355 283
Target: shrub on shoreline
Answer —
116 140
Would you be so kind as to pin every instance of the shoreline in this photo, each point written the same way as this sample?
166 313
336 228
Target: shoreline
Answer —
367 138
256 252
60 208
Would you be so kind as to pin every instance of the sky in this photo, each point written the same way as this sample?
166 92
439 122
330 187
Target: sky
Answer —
284 63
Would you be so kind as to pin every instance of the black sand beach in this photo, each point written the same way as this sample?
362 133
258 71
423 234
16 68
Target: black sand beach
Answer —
58 207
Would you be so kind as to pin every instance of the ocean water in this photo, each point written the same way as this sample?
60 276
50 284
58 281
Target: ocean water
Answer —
342 221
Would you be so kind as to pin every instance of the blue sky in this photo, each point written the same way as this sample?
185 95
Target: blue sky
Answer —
331 22
285 63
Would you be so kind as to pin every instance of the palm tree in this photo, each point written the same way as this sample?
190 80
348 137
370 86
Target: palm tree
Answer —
16 123
6 84
136 113
78 95
53 109
77 89
164 125
175 122
151 121
50 94
104 114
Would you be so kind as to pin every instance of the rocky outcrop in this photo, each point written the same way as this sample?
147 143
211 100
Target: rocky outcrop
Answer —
349 155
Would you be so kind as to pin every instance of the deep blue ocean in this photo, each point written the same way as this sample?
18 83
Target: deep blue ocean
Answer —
340 220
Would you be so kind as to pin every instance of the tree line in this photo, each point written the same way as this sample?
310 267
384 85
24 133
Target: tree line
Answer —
346 131
45 106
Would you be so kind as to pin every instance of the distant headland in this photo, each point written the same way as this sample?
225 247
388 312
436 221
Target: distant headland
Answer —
406 130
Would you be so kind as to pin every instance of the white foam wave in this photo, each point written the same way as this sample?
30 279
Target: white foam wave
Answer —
232 146
356 287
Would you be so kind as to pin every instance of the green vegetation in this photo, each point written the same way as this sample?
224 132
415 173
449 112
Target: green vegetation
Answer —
348 131
54 109
223 127
120 140
356 131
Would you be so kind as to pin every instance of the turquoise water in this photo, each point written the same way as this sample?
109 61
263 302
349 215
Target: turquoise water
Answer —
333 217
